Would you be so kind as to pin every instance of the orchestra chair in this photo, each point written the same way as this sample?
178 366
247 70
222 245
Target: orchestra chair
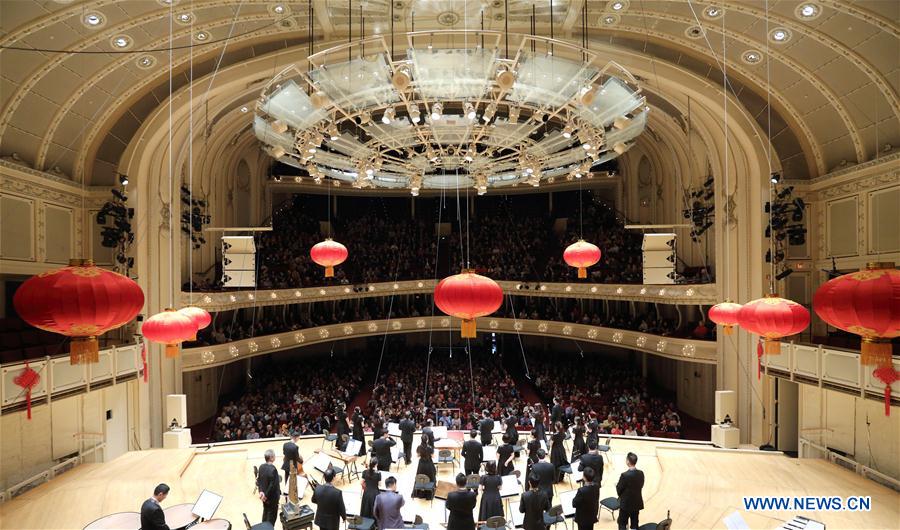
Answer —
424 484
555 515
247 521
611 504
604 449
445 456
330 438
665 524
496 521
473 481
255 477
358 522
567 471
419 524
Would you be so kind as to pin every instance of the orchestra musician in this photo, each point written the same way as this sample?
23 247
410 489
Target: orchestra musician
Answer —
152 516
291 454
269 484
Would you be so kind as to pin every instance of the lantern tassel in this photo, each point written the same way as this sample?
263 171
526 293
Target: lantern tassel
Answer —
172 350
773 347
582 272
329 272
875 352
144 361
887 401
728 329
759 354
467 329
84 350
28 402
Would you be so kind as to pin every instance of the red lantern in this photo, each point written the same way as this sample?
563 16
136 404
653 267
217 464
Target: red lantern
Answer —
328 254
170 328
79 301
29 379
581 254
726 315
772 318
468 296
866 303
200 317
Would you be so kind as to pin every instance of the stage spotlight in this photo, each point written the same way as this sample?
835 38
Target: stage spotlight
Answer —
784 274
123 180
775 178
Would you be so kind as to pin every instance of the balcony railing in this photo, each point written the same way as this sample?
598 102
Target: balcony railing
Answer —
693 294
676 348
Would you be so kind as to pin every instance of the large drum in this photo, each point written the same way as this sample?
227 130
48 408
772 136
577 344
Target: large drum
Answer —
179 516
117 521
212 524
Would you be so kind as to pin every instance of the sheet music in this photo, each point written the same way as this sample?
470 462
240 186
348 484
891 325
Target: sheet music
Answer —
576 476
393 428
408 511
510 486
320 462
395 453
518 517
544 446
439 432
206 504
353 447
489 453
566 498
352 501
735 521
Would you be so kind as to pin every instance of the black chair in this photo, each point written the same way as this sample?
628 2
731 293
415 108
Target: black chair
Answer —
611 504
255 477
419 524
604 448
247 521
555 515
473 481
492 523
424 484
567 471
358 522
445 456
330 438
665 524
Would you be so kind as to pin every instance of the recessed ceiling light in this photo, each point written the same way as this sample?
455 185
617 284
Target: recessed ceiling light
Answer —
780 35
145 61
93 20
808 11
609 19
168 3
752 57
184 18
244 109
618 5
713 12
121 42
279 10
202 36
694 32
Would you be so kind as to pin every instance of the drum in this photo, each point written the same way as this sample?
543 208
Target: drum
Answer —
179 516
117 521
212 524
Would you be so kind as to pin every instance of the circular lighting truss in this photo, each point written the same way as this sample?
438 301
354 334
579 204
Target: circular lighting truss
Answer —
453 111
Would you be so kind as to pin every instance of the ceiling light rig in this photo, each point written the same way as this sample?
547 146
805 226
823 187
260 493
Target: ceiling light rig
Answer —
489 120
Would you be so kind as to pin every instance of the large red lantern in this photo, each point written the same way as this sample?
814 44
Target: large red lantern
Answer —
582 255
328 254
772 318
80 301
866 303
200 317
468 296
170 328
726 315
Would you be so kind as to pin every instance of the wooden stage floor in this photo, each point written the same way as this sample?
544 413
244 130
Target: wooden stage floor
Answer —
699 486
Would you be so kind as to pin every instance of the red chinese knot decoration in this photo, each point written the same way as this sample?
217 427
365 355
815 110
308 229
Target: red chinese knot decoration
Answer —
888 376
27 379
80 301
170 328
582 255
866 303
726 315
468 296
328 254
772 318
199 316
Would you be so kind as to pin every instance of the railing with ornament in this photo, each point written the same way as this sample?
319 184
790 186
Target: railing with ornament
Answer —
683 349
59 377
693 294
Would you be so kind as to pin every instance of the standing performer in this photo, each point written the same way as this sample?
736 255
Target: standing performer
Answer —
491 502
472 453
358 433
382 448
538 413
578 443
534 504
505 457
341 429
152 516
587 502
593 460
291 454
631 501
329 504
371 478
407 430
269 484
460 503
511 431
558 450
486 427
388 505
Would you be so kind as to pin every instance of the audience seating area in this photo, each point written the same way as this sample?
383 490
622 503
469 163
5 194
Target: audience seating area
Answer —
19 341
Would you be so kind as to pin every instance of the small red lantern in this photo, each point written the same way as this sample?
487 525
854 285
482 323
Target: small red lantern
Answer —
772 318
200 317
170 328
866 303
468 296
328 254
581 254
79 301
726 315
28 379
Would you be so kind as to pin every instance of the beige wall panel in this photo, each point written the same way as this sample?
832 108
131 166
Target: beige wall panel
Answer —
59 234
842 227
840 412
884 221
116 401
17 228
65 419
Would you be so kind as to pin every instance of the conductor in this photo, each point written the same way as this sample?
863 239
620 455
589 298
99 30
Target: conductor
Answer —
152 516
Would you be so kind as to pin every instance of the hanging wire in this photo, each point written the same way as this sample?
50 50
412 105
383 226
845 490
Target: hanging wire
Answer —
171 168
769 155
190 242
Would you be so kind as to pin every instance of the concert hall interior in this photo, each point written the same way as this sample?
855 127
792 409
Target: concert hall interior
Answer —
462 264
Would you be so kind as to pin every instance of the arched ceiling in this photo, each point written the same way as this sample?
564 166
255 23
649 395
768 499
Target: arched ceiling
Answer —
834 79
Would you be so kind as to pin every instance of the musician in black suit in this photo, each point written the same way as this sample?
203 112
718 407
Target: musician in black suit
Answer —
407 430
587 502
534 504
269 484
556 412
538 418
291 454
472 453
329 504
152 516
428 432
486 427
382 449
593 460
631 502
460 504
545 472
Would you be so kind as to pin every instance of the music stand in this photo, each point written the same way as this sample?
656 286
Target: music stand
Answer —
206 505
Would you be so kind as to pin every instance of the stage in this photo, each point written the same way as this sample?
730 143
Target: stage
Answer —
698 484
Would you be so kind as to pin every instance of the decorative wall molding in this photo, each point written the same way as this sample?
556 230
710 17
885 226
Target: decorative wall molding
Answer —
699 351
22 180
688 294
